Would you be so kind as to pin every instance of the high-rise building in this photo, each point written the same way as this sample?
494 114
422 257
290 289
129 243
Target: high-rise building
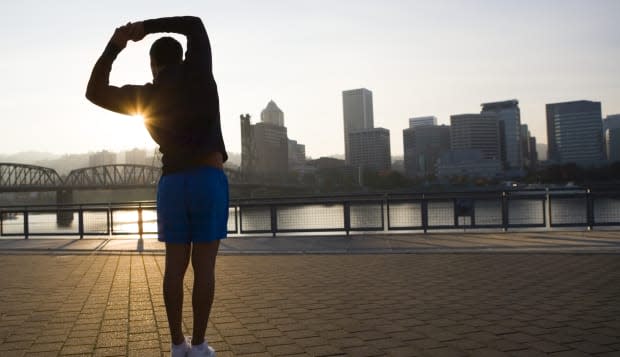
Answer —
357 113
575 133
264 145
296 156
423 145
272 114
528 148
422 121
248 157
533 152
370 149
467 162
136 157
476 131
509 116
270 149
611 122
611 128
102 158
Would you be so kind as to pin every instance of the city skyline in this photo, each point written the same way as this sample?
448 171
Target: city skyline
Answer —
438 59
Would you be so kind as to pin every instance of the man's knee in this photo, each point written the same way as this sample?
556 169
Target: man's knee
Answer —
203 257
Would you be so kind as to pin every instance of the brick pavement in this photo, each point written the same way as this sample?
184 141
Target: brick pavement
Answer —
319 305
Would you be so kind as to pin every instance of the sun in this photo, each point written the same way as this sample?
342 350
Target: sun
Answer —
140 117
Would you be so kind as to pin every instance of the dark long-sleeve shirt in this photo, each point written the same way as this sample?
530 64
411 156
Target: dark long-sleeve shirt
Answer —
180 108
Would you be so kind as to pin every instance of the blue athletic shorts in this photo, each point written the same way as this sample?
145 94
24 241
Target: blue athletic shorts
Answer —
192 206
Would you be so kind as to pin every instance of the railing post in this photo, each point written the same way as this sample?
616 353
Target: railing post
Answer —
26 223
455 213
110 220
81 222
505 218
140 226
424 208
347 217
274 220
589 209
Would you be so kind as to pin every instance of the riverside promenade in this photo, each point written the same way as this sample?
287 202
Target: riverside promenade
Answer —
441 294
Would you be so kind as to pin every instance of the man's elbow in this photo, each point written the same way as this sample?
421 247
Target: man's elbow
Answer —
195 23
91 93
92 96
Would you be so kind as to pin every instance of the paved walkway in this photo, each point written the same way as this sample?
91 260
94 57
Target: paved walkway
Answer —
108 303
456 242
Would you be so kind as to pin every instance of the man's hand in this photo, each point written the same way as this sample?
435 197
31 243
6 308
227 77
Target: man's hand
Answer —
122 35
136 31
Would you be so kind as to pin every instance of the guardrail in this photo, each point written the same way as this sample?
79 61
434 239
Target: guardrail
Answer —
379 213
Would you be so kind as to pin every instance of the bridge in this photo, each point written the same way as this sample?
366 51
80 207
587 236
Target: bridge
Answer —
29 178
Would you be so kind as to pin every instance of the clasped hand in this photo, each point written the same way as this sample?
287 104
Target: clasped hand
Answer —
130 31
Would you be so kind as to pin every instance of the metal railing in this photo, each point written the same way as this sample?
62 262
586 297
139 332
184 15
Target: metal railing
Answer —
501 210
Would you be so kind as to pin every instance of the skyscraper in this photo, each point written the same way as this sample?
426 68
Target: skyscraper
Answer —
611 126
476 131
422 121
296 156
509 116
423 146
265 145
575 133
357 113
272 114
370 149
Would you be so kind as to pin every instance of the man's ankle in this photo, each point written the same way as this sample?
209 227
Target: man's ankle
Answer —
178 342
197 341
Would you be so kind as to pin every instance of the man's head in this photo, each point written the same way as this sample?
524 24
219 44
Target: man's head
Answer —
164 52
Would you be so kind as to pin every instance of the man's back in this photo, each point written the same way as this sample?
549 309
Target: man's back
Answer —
180 107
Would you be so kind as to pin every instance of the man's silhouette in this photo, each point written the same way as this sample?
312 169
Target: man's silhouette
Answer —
181 113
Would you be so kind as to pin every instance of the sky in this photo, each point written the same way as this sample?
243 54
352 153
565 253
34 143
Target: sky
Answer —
440 57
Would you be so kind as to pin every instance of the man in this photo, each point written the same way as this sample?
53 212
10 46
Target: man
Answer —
181 113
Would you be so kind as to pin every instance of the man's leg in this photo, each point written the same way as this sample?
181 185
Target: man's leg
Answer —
203 262
177 259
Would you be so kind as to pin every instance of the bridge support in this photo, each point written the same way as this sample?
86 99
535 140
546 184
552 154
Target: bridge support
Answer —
64 218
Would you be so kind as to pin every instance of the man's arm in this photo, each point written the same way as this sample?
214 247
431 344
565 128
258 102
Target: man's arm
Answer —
198 45
124 100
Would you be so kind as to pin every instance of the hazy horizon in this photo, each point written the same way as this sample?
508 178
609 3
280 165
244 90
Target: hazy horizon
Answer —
425 58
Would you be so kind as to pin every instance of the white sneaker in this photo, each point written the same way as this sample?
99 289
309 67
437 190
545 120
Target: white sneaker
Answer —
202 350
180 350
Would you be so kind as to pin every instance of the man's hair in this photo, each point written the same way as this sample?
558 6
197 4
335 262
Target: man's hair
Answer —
166 51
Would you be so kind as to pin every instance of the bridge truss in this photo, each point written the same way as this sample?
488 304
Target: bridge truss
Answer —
113 176
19 176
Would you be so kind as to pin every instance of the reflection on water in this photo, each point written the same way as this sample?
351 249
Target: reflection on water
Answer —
96 222
327 217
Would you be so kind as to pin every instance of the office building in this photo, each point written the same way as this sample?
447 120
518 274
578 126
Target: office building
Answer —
296 156
611 128
575 133
370 149
528 148
357 114
611 122
509 116
422 121
272 114
471 163
476 131
102 158
136 157
533 152
265 145
423 146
